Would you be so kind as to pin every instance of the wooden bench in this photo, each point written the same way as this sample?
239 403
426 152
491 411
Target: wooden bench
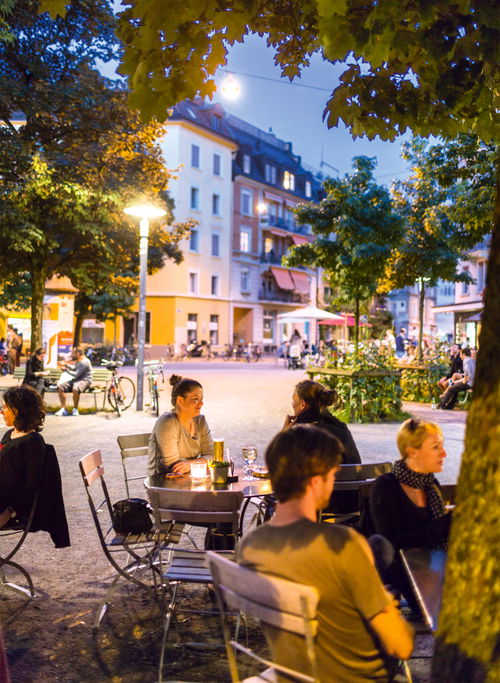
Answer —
100 379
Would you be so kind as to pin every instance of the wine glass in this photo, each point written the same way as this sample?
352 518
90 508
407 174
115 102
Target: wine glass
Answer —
249 454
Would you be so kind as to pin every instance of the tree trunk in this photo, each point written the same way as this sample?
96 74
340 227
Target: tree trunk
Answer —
38 278
356 326
77 334
421 310
467 645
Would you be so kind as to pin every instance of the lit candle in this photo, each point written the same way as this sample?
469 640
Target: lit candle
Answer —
198 470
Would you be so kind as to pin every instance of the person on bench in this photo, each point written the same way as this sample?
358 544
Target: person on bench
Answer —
78 379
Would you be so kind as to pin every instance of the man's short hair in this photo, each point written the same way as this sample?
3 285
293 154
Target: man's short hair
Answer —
78 349
297 454
465 351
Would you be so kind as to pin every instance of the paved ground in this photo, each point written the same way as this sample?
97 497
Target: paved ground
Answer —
48 638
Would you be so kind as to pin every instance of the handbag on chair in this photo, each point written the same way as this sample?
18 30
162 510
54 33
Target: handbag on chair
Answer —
132 516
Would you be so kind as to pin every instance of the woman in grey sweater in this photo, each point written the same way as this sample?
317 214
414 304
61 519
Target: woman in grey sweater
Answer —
181 434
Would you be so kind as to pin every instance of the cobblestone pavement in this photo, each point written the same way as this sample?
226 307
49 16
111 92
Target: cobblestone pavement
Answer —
48 639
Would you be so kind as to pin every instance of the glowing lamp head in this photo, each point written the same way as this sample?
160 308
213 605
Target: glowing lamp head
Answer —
230 88
145 211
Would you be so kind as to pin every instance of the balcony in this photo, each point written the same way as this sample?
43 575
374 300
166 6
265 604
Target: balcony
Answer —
283 296
271 257
288 224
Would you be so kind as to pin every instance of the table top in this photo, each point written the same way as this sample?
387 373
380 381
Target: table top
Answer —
258 487
425 569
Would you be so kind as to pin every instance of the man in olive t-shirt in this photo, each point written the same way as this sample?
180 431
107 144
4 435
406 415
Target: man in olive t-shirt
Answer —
360 627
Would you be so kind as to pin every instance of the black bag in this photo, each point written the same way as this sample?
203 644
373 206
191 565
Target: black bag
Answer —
132 516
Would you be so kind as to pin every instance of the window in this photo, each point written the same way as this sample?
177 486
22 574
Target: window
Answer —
192 324
244 280
247 163
214 285
216 164
215 244
214 329
270 174
288 181
246 202
193 283
195 198
480 279
216 204
194 240
308 188
195 156
216 122
245 237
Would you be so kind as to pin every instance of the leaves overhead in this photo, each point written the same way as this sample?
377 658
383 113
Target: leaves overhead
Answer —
431 67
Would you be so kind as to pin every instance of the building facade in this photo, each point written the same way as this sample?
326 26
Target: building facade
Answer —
269 180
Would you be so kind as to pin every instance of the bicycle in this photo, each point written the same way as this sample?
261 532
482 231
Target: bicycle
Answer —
153 369
121 390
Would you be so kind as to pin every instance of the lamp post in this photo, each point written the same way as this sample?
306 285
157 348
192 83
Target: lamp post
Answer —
145 213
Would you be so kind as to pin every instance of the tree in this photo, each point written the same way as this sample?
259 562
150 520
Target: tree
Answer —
356 230
430 67
76 160
432 246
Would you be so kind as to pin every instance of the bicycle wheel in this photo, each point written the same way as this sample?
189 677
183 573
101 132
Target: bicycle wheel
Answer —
155 399
113 398
126 392
122 394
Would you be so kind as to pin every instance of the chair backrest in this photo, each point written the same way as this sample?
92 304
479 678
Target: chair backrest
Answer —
92 471
362 472
132 446
195 506
274 601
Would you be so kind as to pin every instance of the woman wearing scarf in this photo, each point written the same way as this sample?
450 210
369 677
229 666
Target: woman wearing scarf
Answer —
406 505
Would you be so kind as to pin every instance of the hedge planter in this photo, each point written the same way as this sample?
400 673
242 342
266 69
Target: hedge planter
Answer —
419 382
365 395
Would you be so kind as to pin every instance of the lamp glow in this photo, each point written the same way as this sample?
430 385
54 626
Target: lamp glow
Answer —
230 88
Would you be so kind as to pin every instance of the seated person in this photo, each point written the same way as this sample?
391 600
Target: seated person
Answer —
406 504
456 368
81 373
462 383
181 434
35 371
310 403
360 628
29 466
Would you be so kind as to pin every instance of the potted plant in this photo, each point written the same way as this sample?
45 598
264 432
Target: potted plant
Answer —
219 470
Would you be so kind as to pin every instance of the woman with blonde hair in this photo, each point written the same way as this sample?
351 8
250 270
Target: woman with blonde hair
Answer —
406 504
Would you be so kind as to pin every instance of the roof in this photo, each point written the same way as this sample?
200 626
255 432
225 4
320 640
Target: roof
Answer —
210 116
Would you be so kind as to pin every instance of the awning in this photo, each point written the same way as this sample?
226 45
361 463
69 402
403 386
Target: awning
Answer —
290 204
283 278
301 280
471 306
273 197
298 239
279 232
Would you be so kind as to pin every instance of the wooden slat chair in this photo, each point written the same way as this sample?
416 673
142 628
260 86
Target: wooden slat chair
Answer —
127 553
133 446
275 602
351 483
190 566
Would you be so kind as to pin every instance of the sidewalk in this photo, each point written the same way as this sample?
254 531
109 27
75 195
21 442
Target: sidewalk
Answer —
48 638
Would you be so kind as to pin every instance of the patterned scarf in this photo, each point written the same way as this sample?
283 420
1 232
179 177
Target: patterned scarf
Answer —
417 480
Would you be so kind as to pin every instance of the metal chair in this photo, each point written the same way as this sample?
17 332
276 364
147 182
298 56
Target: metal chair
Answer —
18 532
190 566
132 446
351 484
275 602
127 553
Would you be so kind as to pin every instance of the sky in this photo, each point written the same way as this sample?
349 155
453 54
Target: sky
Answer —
295 114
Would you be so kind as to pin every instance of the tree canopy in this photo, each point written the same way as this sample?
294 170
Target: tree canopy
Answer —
72 156
430 67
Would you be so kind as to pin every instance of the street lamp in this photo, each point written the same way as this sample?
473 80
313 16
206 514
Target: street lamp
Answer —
145 213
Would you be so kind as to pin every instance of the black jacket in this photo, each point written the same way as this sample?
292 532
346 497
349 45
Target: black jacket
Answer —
337 428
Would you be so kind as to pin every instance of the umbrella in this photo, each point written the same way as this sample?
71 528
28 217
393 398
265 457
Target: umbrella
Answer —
309 313
346 320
